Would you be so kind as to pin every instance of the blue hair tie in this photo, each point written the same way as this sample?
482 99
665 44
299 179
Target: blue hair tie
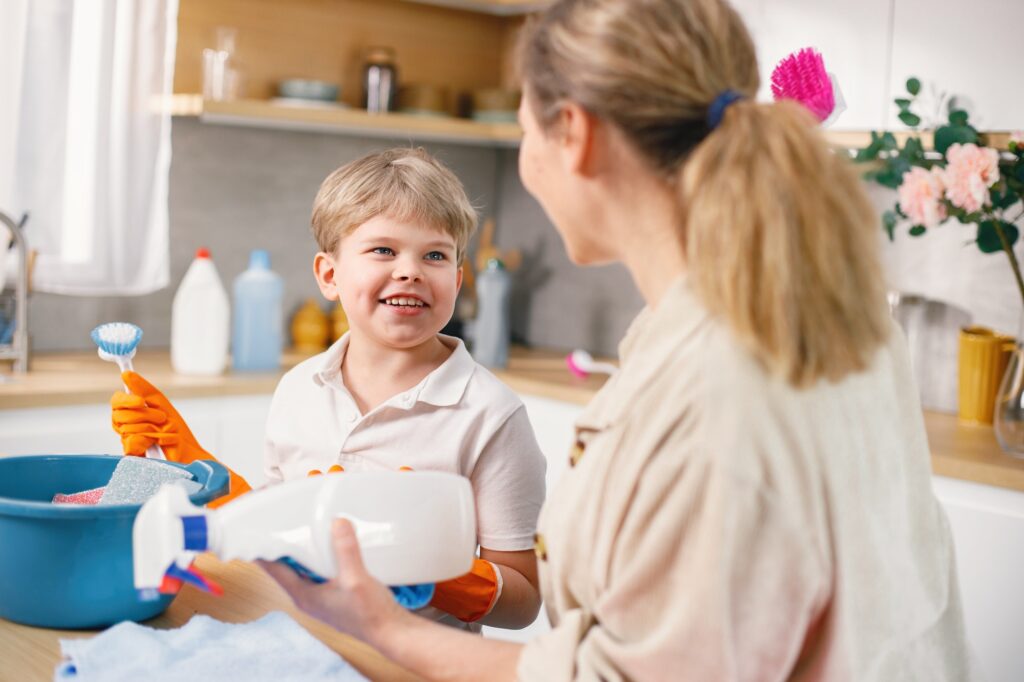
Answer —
718 107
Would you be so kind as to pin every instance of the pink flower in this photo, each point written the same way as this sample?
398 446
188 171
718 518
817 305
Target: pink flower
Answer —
969 174
920 196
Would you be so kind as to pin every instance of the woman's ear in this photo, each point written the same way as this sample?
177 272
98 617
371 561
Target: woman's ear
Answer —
576 130
323 270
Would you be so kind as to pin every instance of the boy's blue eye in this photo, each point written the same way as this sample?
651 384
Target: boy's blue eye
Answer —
435 255
383 251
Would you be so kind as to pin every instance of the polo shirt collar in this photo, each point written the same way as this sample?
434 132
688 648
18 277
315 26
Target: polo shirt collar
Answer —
443 386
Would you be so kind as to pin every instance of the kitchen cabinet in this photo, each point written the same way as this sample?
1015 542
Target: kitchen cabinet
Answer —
988 530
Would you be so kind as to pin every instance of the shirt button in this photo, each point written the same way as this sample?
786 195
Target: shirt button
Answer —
576 453
352 417
539 548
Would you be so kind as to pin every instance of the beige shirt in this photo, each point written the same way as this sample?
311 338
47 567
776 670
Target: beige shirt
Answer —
722 525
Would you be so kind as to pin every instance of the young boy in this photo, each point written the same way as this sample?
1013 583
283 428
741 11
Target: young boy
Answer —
392 228
393 393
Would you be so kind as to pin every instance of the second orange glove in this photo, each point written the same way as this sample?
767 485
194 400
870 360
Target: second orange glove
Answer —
145 416
472 596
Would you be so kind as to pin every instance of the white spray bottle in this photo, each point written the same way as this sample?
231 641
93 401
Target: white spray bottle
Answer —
413 527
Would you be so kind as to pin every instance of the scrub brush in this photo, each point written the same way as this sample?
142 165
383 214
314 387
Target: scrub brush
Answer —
582 364
116 342
801 76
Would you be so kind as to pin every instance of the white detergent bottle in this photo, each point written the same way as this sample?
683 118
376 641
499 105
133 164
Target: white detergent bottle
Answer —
200 320
413 527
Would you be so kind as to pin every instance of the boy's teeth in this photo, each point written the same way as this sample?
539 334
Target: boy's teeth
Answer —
403 301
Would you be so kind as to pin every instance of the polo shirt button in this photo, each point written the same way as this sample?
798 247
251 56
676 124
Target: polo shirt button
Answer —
539 548
352 417
576 453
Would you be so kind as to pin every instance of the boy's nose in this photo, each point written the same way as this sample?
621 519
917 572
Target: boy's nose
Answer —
405 271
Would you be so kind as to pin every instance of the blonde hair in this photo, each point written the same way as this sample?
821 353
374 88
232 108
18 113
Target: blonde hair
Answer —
402 184
780 238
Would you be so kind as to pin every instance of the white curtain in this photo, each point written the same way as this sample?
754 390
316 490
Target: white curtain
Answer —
85 139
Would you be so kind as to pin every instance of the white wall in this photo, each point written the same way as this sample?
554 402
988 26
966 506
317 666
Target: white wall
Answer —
873 46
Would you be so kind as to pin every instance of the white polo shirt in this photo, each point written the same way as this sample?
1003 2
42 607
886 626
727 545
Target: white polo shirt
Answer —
460 418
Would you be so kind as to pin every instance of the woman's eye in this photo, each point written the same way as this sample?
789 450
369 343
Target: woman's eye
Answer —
435 255
383 251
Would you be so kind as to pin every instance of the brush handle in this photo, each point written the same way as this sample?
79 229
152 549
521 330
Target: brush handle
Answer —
124 363
605 367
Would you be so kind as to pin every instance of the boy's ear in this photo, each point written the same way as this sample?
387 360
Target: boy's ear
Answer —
458 277
323 270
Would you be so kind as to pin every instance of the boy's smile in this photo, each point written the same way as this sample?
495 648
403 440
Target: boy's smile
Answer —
396 279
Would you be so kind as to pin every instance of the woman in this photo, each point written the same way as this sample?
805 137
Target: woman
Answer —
751 494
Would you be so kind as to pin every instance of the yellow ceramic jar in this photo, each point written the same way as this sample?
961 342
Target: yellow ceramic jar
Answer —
983 358
309 328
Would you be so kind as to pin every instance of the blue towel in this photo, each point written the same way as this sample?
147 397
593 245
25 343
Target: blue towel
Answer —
273 648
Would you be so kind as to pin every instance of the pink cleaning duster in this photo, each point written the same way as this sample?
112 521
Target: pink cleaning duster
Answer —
802 76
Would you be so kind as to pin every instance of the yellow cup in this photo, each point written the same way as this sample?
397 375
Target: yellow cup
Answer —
983 359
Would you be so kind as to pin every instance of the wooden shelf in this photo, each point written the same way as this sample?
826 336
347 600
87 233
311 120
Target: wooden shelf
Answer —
501 8
265 114
858 139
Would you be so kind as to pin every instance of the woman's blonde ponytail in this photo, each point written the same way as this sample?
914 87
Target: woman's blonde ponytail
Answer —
782 242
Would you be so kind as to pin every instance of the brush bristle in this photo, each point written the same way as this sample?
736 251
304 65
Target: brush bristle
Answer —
802 77
117 338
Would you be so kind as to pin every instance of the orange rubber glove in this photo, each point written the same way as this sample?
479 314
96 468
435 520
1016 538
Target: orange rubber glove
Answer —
472 596
146 416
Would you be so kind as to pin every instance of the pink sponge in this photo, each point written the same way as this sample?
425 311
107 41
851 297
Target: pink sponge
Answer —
85 497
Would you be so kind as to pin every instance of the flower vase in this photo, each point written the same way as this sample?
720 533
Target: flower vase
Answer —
1009 412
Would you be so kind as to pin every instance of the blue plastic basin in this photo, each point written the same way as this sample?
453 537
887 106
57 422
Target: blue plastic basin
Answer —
70 566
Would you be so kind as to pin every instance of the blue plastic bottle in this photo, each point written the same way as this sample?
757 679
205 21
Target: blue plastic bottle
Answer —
257 325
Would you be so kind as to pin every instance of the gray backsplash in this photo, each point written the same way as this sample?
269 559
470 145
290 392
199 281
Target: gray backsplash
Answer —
234 189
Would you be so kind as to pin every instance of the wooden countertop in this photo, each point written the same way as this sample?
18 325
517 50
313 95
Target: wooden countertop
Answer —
31 654
963 451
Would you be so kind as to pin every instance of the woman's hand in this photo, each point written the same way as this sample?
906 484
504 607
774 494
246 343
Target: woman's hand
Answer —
353 602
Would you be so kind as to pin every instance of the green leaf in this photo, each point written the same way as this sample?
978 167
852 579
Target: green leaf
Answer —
947 136
1018 172
889 142
958 117
870 153
889 220
988 238
917 230
889 178
913 86
1003 196
910 119
902 102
